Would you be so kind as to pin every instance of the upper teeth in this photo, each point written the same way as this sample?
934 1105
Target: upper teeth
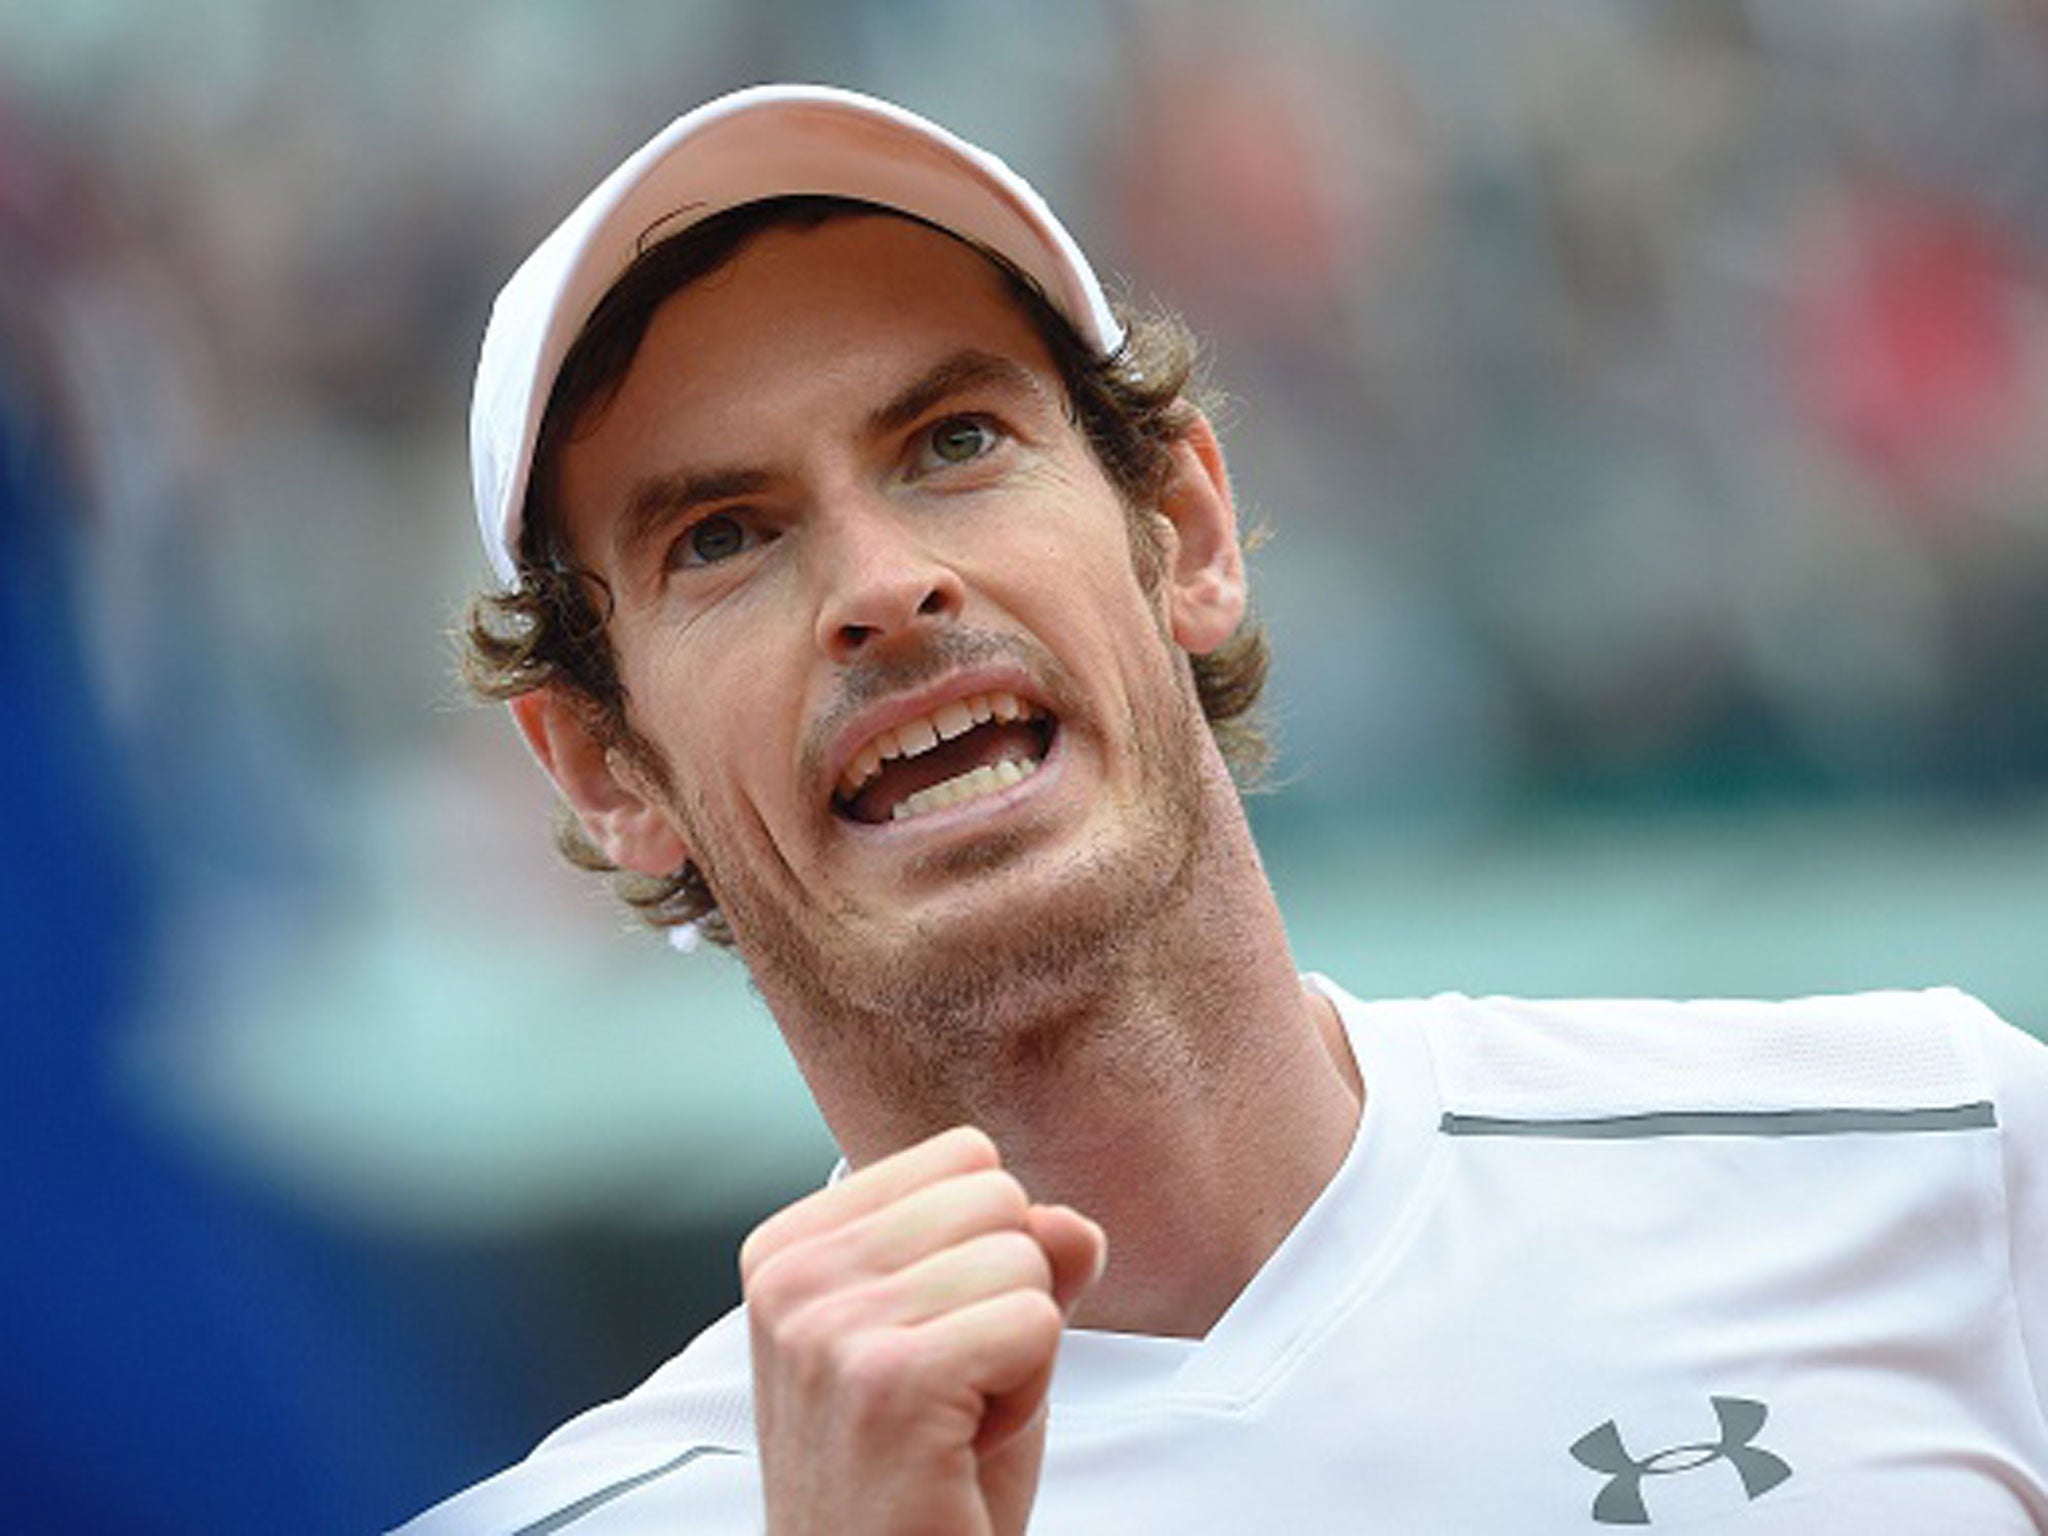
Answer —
914 737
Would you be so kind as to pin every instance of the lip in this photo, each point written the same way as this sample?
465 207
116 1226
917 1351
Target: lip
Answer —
898 708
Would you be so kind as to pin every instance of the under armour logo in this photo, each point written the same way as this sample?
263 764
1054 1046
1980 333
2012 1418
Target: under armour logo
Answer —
1621 1501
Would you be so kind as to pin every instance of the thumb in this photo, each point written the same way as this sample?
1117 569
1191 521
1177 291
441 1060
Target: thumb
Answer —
1010 1456
1076 1248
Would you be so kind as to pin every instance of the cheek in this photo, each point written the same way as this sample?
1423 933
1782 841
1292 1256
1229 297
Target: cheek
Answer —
724 731
1122 597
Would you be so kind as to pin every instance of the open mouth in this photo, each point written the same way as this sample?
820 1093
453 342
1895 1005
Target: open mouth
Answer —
961 751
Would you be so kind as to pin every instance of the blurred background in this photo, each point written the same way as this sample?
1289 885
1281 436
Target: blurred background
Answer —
1646 402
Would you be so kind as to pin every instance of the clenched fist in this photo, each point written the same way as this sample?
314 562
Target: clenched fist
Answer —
904 1326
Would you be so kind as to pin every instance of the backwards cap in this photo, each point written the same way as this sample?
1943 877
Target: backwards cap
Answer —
766 141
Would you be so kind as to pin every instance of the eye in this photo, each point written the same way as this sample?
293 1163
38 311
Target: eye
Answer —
710 540
956 440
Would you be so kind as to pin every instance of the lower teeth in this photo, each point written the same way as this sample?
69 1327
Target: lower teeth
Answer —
968 786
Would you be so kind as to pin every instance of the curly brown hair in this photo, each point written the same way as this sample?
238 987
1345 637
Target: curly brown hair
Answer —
549 630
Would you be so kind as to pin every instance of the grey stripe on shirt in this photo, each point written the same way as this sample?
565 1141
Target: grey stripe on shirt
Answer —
1789 1122
561 1519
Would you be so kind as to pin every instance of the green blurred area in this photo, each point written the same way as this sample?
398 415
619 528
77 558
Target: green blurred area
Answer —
452 1077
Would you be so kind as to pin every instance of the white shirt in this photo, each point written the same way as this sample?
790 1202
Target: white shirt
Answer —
1712 1266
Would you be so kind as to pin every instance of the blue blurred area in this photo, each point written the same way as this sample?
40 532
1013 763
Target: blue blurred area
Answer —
176 1355
1645 402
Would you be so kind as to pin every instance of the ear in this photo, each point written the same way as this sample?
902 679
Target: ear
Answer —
619 812
1205 580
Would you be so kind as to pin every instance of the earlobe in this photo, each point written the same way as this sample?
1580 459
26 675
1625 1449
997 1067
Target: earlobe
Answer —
619 814
1205 569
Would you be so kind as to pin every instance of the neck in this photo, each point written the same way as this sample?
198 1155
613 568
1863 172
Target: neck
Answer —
1188 1094
1200 1184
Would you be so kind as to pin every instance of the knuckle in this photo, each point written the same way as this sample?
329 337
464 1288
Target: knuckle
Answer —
804 1335
1039 1320
769 1238
781 1286
875 1369
1022 1259
998 1197
754 1252
971 1144
809 1345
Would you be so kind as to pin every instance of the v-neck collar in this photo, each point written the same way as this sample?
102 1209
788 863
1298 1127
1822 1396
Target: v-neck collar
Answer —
1332 1259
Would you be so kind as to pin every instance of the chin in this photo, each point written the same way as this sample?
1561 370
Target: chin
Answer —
1004 947
1009 965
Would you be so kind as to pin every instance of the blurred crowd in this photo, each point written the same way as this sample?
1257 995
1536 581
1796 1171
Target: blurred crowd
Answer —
1643 401
1649 393
1641 395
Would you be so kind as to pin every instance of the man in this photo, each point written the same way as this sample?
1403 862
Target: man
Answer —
874 597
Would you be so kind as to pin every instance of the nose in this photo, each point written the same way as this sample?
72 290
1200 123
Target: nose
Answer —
882 584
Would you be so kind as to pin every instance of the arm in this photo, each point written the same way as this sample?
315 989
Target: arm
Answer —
904 1325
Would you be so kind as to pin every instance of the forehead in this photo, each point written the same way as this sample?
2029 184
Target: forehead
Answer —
801 326
824 300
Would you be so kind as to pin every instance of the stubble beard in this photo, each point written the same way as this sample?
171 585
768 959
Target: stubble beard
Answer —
961 1004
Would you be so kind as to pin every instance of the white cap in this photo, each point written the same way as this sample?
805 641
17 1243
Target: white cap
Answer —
766 141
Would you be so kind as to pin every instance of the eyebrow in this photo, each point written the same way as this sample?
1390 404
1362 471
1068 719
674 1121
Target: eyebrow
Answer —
661 498
965 370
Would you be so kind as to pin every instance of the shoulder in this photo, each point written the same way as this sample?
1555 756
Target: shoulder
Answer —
1882 1053
690 1423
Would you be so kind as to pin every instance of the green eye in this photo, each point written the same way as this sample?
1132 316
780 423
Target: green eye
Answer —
961 438
717 537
